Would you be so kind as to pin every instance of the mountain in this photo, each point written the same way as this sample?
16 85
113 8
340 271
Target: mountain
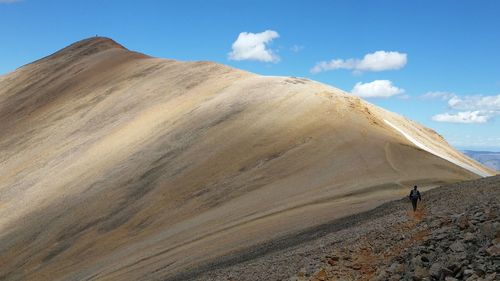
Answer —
489 159
119 166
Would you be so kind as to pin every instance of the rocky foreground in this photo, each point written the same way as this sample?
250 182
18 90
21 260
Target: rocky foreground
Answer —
455 235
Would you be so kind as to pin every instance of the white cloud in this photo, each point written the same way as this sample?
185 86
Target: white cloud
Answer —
9 1
468 109
376 89
296 48
377 61
462 117
477 102
438 95
252 46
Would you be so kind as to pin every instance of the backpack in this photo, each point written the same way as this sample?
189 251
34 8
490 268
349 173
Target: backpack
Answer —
414 194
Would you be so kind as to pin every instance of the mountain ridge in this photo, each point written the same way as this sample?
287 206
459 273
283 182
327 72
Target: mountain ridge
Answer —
490 159
116 165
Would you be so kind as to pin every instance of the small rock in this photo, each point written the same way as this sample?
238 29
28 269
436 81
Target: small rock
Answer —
335 258
454 267
493 251
460 273
440 236
321 275
490 277
480 270
496 229
395 277
356 266
473 277
462 222
435 224
381 276
421 272
416 261
446 272
346 258
468 272
457 257
469 237
478 214
435 270
488 230
449 278
457 246
396 268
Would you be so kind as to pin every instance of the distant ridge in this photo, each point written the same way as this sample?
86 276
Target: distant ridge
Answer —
488 158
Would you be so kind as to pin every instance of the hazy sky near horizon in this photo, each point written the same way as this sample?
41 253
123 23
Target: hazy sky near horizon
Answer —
436 62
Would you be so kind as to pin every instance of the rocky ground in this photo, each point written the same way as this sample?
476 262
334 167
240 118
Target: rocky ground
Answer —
455 235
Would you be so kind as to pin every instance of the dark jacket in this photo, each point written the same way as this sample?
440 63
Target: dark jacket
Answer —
415 195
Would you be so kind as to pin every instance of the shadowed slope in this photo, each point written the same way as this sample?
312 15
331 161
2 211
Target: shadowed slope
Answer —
119 166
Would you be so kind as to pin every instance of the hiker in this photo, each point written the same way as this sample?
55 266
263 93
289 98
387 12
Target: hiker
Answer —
414 197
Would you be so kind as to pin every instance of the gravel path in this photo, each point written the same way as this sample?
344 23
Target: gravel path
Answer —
454 235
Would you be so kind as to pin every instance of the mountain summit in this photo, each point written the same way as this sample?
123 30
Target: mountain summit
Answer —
118 166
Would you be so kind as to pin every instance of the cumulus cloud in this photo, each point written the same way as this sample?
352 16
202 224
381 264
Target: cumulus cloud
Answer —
376 89
377 61
253 46
470 109
462 117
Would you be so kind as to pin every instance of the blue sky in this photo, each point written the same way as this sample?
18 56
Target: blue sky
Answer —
439 62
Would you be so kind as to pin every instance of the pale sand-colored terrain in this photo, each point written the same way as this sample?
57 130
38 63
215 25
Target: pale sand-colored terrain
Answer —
118 166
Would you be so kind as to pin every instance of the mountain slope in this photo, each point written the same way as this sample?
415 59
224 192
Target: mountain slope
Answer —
118 166
453 233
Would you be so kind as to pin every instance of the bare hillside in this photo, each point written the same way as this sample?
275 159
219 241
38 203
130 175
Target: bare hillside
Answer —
119 166
455 234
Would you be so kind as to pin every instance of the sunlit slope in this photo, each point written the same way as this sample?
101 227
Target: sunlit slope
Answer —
118 166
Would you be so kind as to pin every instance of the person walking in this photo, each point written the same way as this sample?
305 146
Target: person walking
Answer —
415 197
